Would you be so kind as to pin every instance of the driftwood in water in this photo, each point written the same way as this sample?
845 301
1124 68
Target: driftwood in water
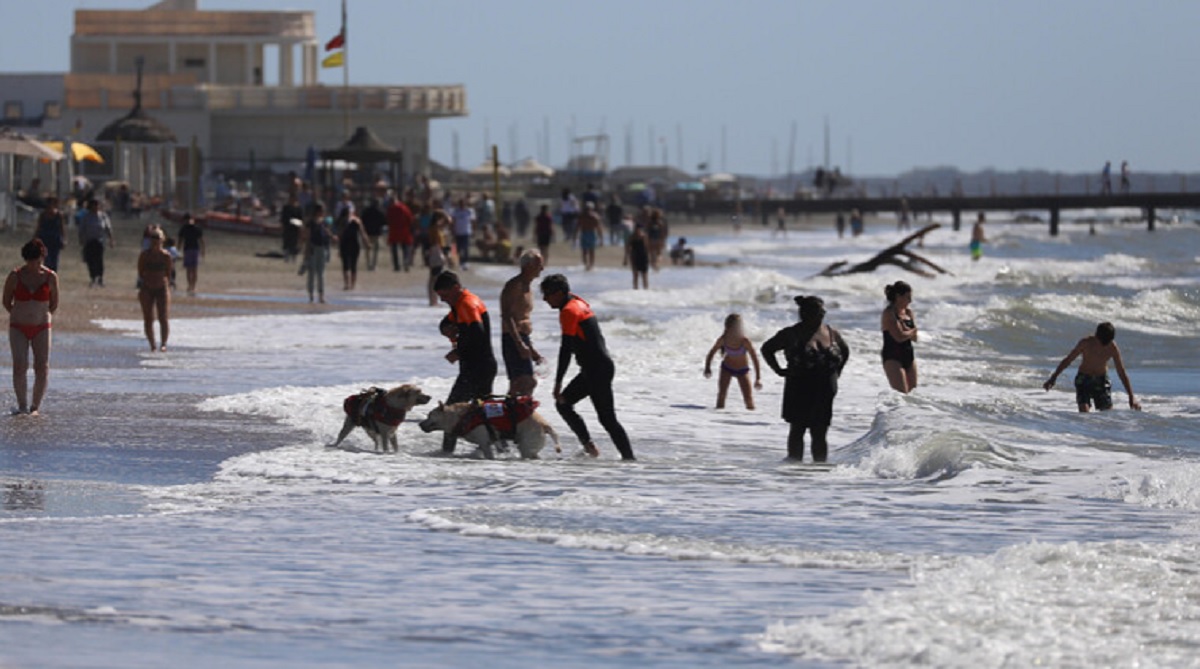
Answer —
896 254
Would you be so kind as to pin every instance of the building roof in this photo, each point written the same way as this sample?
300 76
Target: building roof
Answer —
160 22
363 146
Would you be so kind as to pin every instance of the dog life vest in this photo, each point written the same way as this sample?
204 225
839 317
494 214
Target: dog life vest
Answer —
501 415
371 405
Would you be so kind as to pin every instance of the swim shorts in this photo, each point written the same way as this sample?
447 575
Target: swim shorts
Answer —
514 365
976 250
191 258
1091 389
587 240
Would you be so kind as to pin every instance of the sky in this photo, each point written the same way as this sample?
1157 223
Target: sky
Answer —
1061 85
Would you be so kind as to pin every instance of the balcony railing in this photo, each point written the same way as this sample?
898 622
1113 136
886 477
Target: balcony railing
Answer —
422 100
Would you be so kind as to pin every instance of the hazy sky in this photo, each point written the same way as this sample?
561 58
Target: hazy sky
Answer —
1061 84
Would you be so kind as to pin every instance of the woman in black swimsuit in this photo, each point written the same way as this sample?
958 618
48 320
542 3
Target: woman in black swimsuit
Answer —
816 355
899 332
154 271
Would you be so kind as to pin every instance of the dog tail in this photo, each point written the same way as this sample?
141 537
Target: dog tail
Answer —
549 429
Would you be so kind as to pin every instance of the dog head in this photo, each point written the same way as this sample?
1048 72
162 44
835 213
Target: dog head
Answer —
436 420
405 397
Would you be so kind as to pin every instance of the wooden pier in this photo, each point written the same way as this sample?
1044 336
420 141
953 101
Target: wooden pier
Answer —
1149 203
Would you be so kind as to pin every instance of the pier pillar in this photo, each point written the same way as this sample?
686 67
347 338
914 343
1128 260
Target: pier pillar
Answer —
957 219
1054 222
1150 219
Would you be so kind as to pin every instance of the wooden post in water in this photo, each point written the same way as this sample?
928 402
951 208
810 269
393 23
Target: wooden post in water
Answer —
1054 222
1150 219
957 219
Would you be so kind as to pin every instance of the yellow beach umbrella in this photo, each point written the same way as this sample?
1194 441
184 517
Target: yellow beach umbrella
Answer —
79 151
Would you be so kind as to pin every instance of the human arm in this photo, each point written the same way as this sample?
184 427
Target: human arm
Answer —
757 366
564 361
708 358
1120 365
526 351
10 288
842 346
53 306
769 348
890 322
1066 362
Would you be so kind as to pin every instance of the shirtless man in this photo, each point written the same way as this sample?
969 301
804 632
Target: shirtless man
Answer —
590 235
516 305
1091 382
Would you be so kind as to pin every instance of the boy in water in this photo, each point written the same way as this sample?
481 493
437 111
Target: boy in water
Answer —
1091 382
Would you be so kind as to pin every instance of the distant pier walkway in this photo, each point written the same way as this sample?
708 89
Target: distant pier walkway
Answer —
1149 203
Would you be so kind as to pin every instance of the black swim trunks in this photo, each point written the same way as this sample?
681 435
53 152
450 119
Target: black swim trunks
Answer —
1091 389
514 364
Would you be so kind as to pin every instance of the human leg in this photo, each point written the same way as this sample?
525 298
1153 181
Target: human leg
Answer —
912 376
20 367
747 391
146 300
722 388
162 303
395 257
820 447
41 368
795 442
896 375
575 391
606 412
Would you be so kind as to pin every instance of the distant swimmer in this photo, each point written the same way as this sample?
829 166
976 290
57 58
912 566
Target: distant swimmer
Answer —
977 237
516 306
899 332
1091 382
816 355
737 351
590 235
583 341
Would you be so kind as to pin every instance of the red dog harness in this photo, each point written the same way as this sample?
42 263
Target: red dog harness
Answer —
501 415
371 405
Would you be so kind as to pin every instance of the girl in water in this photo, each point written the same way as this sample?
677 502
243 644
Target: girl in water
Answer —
899 332
735 347
30 297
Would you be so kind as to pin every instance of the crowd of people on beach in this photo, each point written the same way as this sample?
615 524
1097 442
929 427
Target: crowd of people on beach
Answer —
450 232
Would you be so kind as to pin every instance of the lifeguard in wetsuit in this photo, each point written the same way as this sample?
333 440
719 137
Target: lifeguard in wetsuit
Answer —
582 339
473 349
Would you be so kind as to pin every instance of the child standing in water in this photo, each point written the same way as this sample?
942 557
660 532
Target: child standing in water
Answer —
1091 382
735 348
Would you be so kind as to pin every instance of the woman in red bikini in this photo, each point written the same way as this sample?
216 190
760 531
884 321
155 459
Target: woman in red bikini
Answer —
30 297
737 352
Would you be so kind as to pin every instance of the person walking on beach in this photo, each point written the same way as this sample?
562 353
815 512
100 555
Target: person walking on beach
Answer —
30 298
637 256
464 217
978 237
736 351
516 326
543 230
1091 381
904 218
191 238
568 214
656 236
856 224
154 294
582 340
94 230
374 220
291 220
590 235
52 231
350 244
435 253
1106 178
780 223
614 213
400 234
521 214
899 332
816 355
316 239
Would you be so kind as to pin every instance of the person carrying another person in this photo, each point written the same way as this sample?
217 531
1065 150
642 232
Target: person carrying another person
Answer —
582 340
1091 381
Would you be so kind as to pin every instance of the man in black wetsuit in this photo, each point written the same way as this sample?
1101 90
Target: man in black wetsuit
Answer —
473 346
581 338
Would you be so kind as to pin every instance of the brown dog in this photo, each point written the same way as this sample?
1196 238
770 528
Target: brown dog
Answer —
379 413
512 419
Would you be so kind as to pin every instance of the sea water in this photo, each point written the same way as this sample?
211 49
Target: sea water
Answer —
183 509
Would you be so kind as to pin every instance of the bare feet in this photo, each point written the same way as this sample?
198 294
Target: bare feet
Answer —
590 449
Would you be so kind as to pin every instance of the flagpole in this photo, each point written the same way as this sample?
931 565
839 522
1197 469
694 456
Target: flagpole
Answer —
345 76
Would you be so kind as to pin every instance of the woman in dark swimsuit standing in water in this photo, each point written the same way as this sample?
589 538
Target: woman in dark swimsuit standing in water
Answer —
899 332
816 355
154 270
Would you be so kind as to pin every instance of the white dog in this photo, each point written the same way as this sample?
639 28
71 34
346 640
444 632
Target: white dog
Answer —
379 413
491 423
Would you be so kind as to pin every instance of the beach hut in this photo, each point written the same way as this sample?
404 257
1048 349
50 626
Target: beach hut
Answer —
143 148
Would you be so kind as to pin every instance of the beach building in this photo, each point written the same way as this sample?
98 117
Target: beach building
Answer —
241 86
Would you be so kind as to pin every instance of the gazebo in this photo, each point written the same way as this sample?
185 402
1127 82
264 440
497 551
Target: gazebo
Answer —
365 149
143 148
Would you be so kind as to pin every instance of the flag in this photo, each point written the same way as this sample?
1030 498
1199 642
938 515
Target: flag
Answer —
334 59
337 42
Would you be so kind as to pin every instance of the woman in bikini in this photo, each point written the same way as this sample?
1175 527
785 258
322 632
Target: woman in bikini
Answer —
30 297
154 271
735 347
899 332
